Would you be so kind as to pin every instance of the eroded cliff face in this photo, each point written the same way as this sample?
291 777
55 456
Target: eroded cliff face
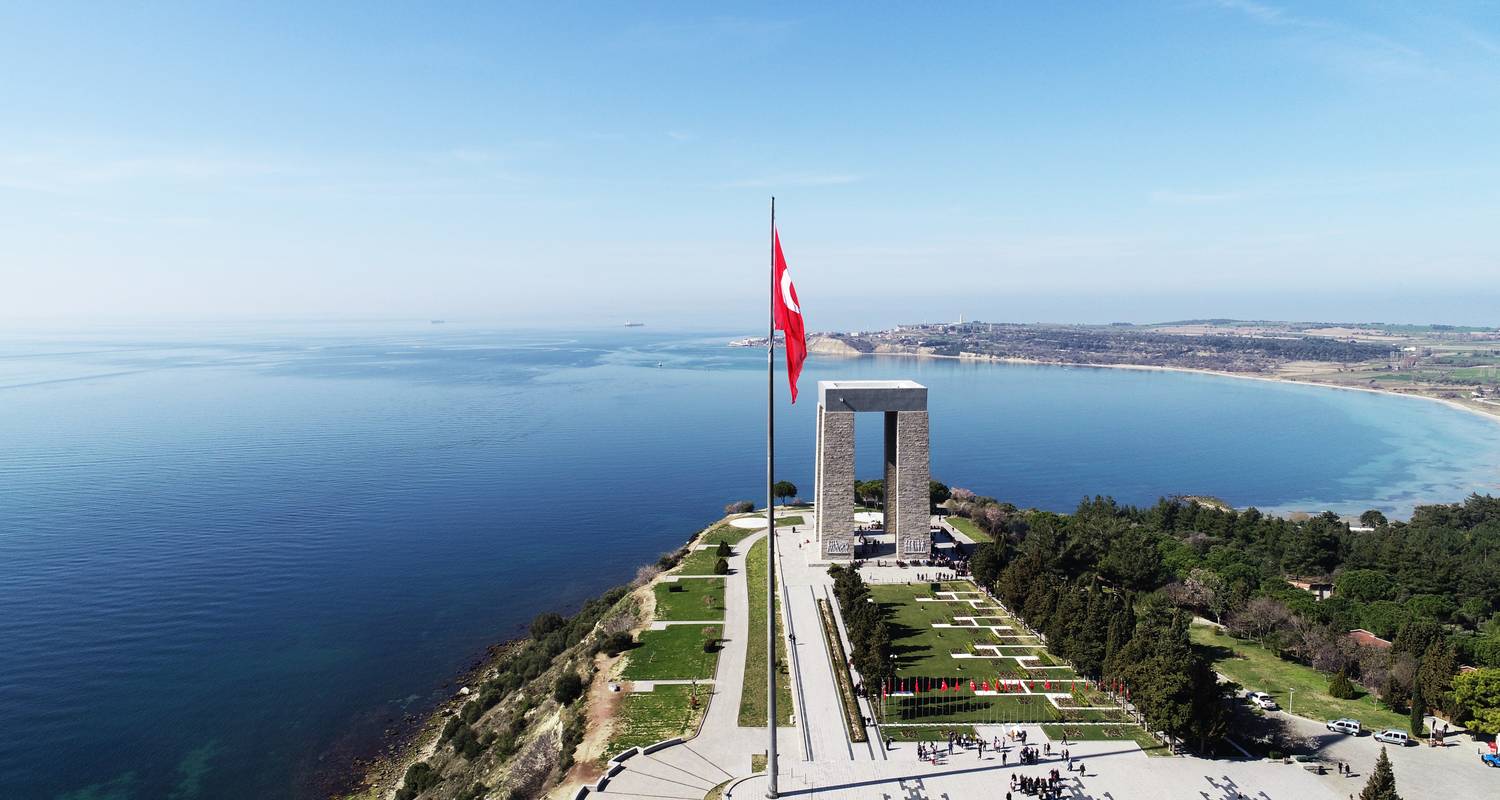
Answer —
836 346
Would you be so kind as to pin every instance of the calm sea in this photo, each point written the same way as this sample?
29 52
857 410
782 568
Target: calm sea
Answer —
231 558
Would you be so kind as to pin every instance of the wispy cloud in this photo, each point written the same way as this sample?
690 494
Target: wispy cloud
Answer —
681 136
1338 44
55 172
795 179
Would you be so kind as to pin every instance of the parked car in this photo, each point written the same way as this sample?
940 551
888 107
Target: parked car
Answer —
1262 700
1489 758
1393 736
1345 725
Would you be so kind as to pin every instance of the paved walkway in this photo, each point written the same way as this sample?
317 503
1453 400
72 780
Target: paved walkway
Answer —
722 749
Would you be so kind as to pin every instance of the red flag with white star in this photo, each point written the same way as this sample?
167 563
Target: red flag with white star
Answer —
787 314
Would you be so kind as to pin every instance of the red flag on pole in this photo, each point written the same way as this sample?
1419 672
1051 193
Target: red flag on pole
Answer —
787 313
1047 685
972 686
945 684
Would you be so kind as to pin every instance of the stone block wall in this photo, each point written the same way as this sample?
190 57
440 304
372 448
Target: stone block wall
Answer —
913 470
834 463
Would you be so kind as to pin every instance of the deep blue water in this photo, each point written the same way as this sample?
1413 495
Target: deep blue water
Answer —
230 557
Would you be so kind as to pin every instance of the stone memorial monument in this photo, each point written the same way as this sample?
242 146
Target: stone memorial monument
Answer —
907 512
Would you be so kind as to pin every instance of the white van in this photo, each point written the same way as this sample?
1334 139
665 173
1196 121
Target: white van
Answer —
1345 725
1393 736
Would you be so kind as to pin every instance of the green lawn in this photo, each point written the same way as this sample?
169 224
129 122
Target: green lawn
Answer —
649 717
724 532
1107 733
923 651
698 562
925 733
968 528
675 653
692 599
782 522
753 698
1256 668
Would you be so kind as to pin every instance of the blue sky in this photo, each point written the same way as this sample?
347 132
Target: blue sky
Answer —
564 163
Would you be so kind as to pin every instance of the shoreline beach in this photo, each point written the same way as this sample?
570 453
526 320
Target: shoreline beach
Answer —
1485 412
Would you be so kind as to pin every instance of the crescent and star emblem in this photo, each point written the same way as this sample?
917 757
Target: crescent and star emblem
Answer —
786 292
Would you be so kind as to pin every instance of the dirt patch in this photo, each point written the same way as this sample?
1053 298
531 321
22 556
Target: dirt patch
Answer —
603 706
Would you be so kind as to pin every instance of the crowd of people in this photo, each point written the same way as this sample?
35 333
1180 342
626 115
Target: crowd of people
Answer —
1046 787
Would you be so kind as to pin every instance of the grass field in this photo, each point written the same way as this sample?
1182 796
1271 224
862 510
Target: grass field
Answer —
687 600
724 532
1258 669
753 698
968 528
926 733
1107 733
675 653
698 562
649 717
923 651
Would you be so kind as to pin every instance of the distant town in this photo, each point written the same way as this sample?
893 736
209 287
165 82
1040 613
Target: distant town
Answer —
1454 363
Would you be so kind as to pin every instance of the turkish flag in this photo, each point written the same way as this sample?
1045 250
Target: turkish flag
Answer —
787 314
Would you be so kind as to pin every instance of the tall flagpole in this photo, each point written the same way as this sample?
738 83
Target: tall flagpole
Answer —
771 518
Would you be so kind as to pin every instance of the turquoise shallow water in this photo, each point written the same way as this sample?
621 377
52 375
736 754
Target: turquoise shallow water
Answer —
232 557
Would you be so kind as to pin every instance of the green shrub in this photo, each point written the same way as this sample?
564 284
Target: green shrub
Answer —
1341 687
419 778
569 688
724 551
721 567
616 643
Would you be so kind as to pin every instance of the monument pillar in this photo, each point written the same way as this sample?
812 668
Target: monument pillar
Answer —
903 405
835 484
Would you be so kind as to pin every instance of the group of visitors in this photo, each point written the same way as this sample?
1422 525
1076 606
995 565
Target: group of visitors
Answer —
1045 787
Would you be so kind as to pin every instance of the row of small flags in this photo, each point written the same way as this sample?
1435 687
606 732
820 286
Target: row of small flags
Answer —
900 687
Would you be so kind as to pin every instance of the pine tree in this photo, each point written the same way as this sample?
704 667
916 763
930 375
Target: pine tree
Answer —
1382 783
1418 710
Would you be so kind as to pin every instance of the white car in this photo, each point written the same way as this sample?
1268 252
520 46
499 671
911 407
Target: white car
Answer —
1262 700
1346 726
1393 736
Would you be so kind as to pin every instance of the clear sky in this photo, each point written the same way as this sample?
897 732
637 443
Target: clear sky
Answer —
559 163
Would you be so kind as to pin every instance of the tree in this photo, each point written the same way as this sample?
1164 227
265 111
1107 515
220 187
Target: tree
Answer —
724 550
1372 519
740 507
1382 783
1340 686
546 623
721 567
1418 721
783 489
869 493
1362 584
1477 697
985 564
569 687
938 493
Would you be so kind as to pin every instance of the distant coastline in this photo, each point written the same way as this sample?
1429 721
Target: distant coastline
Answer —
1482 411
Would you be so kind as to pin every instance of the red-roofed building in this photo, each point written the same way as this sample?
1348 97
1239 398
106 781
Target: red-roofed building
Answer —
1364 638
